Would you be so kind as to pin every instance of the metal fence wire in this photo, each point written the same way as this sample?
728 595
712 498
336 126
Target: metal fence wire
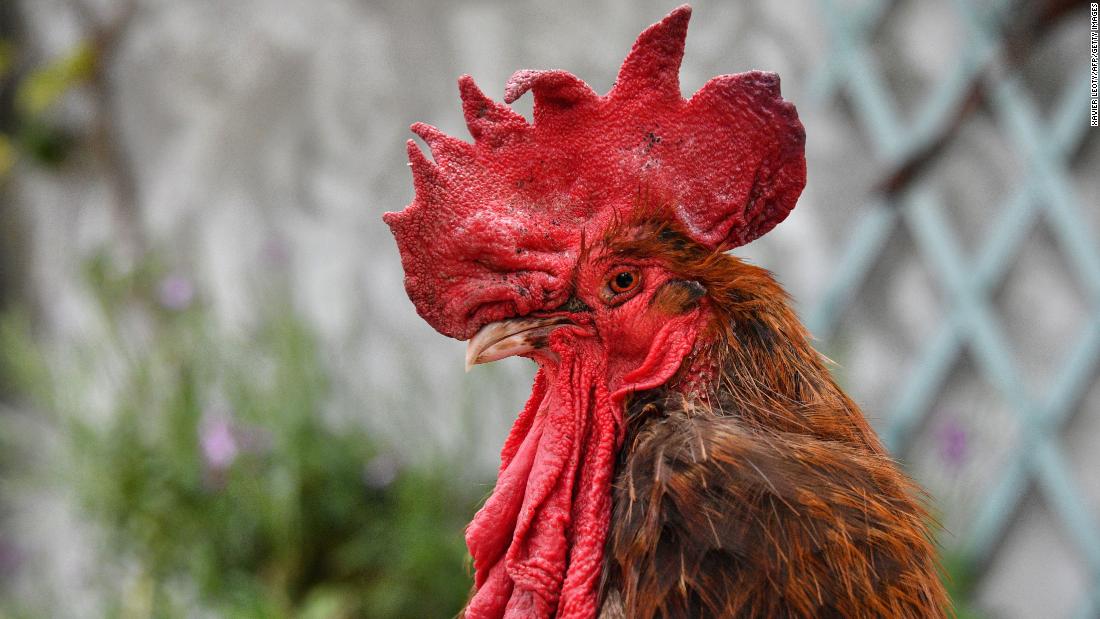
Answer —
1043 193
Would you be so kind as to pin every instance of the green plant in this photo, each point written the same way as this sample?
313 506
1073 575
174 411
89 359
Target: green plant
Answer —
36 133
960 577
214 473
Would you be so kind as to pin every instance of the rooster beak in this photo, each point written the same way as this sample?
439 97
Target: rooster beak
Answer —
508 338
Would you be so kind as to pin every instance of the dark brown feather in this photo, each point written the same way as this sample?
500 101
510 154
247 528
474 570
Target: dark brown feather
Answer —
713 520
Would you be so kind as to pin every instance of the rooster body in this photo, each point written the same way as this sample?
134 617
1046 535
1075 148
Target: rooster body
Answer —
684 451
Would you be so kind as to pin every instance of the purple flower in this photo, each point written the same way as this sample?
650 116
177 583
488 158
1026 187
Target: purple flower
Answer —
275 252
11 557
219 445
953 442
176 292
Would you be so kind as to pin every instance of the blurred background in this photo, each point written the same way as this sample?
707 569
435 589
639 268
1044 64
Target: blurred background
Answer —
216 399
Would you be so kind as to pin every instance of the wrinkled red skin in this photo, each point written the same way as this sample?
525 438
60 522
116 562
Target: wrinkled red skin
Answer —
511 225
548 510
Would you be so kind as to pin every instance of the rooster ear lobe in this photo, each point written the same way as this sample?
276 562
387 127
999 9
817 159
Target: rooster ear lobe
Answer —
653 66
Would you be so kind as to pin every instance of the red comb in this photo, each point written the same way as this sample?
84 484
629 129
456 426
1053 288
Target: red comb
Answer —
494 227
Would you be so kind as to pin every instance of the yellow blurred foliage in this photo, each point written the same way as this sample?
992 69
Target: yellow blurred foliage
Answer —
43 87
7 155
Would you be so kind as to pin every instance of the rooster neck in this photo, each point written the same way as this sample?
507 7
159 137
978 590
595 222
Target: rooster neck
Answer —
750 485
757 364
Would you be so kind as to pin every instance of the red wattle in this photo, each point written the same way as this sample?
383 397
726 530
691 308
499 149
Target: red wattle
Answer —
538 542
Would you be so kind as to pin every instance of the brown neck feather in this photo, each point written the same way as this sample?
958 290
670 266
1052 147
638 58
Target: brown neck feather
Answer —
768 374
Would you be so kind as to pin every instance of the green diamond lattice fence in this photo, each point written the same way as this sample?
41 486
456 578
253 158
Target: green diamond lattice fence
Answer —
1044 191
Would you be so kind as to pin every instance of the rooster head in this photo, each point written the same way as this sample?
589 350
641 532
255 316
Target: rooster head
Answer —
563 240
498 227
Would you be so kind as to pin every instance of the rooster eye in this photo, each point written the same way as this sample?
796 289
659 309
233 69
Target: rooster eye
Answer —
624 281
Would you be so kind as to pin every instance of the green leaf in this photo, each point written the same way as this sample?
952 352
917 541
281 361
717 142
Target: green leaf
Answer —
44 87
8 54
44 142
7 155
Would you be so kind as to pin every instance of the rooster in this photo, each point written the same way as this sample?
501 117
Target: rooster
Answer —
684 451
